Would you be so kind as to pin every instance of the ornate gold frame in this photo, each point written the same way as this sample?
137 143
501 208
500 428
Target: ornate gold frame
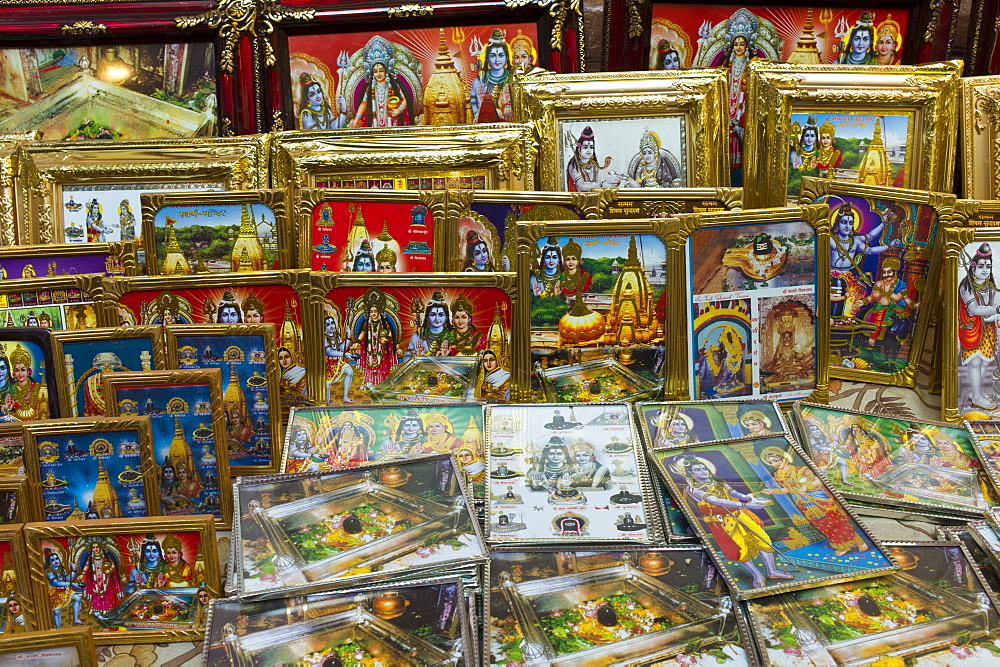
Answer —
44 168
506 151
34 533
11 534
12 430
776 90
659 203
123 253
152 333
33 432
683 226
89 285
26 510
981 137
303 201
211 377
265 331
82 639
545 99
943 204
976 213
273 199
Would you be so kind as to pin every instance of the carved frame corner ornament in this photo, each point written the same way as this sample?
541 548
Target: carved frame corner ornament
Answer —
634 18
409 11
83 28
558 11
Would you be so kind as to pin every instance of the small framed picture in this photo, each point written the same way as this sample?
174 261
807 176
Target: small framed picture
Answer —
69 647
97 468
16 605
11 449
624 204
68 259
185 410
89 354
245 354
986 440
668 425
28 385
59 303
147 580
15 501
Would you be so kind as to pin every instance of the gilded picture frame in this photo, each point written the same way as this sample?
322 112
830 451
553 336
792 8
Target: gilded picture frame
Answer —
142 347
892 230
626 203
677 116
64 302
207 482
47 171
332 225
765 261
265 236
980 135
16 591
481 220
919 100
32 390
72 647
15 497
116 258
123 468
341 304
975 213
180 355
493 156
11 449
69 541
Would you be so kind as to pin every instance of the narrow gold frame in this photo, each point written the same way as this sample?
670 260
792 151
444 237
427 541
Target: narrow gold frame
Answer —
976 213
507 151
944 205
267 332
240 163
19 485
776 90
88 283
545 99
33 432
303 201
981 137
13 430
683 226
152 333
273 199
82 639
34 533
11 533
208 376
124 252
665 203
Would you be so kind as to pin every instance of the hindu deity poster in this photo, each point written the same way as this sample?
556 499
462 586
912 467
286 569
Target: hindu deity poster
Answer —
85 362
598 307
880 256
49 305
732 36
405 519
577 608
428 76
417 344
896 462
15 596
81 92
935 611
666 425
625 152
986 439
752 319
567 472
28 388
370 237
771 522
978 305
679 531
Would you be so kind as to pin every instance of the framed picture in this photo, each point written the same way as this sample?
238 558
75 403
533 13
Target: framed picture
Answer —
669 425
668 602
66 259
95 468
480 223
406 519
570 460
895 462
71 647
980 131
501 156
756 287
17 612
595 308
15 500
883 272
89 354
246 356
627 203
261 297
986 440
892 127
936 608
614 130
185 411
431 338
30 388
11 449
750 501
221 232
448 66
370 231
65 188
159 576
66 302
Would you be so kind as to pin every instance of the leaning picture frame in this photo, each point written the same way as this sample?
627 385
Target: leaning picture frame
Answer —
185 584
756 303
980 131
19 609
627 203
62 259
58 303
482 157
70 647
82 192
30 380
891 126
627 130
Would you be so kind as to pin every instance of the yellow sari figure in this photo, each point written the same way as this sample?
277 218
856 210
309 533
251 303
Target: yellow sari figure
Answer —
29 400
